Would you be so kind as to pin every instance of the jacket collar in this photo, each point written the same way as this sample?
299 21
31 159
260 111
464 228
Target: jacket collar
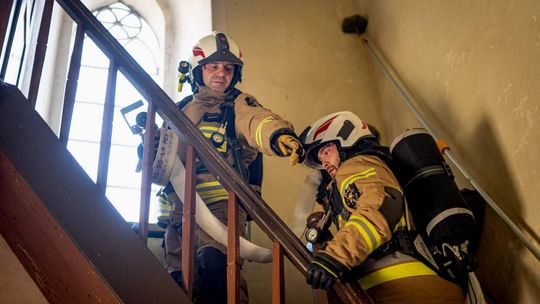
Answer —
209 96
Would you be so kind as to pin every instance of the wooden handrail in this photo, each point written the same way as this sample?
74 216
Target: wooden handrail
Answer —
261 213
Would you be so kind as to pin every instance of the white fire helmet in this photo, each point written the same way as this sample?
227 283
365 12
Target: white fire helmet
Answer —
344 129
214 47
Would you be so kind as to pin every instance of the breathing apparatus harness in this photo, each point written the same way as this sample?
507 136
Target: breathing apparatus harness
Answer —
227 128
443 222
449 261
328 194
226 131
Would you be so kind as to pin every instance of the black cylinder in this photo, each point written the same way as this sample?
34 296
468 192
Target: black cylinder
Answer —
438 209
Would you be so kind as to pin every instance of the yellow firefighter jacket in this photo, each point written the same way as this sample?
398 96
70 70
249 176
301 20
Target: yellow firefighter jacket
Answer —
370 193
254 126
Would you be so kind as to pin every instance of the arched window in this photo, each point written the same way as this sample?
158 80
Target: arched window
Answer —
123 183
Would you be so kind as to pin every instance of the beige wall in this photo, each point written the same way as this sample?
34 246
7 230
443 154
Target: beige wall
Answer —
474 68
16 285
300 65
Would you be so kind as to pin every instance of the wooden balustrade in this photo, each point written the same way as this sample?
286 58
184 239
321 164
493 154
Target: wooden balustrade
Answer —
71 85
284 241
188 222
7 14
107 128
278 277
233 262
41 48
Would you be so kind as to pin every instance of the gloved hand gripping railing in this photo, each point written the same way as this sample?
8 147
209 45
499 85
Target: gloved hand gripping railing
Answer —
358 25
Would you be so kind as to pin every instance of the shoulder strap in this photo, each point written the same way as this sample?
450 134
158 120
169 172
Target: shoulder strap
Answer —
227 109
254 174
183 103
255 171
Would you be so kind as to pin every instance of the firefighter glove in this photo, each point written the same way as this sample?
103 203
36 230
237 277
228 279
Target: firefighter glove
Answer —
289 145
323 271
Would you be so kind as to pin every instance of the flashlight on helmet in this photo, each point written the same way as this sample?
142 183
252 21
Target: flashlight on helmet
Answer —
183 69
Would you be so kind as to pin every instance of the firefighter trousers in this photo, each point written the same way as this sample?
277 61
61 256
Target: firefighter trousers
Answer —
203 242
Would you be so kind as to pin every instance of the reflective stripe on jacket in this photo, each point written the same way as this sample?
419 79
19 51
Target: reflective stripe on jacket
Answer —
254 126
361 181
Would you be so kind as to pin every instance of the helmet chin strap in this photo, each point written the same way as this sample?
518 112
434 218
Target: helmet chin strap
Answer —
198 79
342 156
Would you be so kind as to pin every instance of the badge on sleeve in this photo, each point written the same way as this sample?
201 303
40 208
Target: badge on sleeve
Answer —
351 195
252 102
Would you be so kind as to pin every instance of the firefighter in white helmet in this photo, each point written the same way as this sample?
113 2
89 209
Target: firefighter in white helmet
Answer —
368 209
240 129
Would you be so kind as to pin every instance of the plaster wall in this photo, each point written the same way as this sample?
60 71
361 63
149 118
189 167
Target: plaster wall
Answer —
16 285
470 66
473 67
300 65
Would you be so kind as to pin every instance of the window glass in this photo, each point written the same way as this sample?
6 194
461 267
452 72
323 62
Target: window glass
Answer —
123 159
93 85
92 56
86 122
126 201
87 154
123 183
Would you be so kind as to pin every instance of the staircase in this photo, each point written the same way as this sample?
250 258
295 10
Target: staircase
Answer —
65 232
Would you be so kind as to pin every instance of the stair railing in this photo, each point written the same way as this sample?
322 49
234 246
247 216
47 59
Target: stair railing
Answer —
285 243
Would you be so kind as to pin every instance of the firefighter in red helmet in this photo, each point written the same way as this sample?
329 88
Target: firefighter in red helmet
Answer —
367 207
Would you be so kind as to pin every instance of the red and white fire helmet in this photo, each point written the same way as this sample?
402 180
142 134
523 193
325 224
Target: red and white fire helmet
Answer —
215 47
343 128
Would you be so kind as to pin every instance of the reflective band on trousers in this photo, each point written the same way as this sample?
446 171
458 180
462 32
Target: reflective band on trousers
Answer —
164 208
212 192
394 272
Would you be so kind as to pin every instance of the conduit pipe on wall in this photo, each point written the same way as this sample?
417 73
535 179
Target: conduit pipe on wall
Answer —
358 24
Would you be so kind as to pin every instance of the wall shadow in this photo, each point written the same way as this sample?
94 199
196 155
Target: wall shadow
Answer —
499 251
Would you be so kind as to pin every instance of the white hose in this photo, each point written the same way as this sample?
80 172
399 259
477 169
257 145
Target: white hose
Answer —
474 291
305 201
167 166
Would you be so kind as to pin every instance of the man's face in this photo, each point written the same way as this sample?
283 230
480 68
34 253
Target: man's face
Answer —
329 158
218 75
